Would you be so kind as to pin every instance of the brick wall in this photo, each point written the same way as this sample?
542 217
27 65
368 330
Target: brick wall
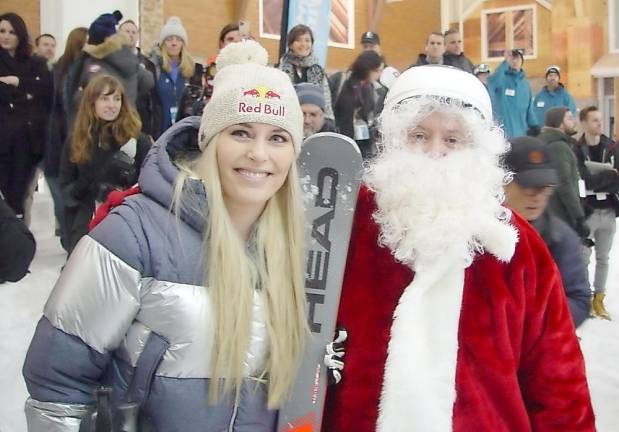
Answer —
151 20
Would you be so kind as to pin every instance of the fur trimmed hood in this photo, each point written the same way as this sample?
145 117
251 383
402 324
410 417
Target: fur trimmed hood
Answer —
110 46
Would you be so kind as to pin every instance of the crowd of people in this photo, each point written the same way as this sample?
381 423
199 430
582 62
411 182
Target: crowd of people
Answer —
187 298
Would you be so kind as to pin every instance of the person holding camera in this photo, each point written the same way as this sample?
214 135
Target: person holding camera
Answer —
104 153
512 98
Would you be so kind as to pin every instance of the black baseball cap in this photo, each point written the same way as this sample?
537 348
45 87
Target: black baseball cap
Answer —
518 52
531 162
370 37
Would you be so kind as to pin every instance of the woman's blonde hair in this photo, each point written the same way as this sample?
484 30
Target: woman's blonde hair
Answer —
233 275
88 127
187 65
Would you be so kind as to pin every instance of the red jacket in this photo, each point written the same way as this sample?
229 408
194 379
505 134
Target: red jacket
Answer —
519 365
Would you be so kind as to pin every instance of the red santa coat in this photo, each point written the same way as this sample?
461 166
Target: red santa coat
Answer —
519 366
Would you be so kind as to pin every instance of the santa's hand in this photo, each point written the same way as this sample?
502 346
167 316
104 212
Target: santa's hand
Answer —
334 357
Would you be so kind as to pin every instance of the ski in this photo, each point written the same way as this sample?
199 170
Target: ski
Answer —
330 172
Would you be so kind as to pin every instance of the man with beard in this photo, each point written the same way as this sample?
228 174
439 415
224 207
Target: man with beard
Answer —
455 313
559 126
553 94
312 100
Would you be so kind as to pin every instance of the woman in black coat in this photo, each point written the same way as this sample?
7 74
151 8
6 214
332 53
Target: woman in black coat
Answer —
25 99
104 153
355 105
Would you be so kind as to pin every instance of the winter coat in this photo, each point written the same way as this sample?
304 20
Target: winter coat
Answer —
169 92
112 57
130 309
603 182
518 363
83 184
422 60
23 115
17 245
565 201
565 248
512 100
56 131
546 99
355 99
147 101
459 61
307 69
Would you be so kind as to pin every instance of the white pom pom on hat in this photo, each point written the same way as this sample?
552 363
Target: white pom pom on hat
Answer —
173 27
246 90
238 53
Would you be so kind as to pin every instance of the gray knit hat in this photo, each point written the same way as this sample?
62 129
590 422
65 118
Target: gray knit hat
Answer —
554 116
174 27
246 90
310 94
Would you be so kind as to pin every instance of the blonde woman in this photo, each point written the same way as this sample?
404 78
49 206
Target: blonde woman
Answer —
175 70
188 298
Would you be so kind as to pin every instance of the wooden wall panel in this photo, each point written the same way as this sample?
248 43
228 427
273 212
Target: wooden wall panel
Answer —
29 10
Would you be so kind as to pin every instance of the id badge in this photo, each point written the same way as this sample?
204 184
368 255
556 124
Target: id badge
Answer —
541 104
582 190
362 131
173 112
600 196
510 92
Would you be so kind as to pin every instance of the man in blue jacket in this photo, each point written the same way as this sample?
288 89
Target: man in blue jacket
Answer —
553 94
512 98
534 180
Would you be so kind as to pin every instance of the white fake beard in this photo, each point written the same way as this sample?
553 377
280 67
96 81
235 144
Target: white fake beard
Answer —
437 209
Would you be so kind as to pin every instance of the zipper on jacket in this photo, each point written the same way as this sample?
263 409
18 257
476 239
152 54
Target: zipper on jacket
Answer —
235 410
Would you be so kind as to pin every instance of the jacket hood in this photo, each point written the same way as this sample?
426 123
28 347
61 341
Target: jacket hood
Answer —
159 172
553 134
516 73
554 93
116 51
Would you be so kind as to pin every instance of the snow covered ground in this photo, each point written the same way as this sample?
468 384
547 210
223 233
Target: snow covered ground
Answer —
21 306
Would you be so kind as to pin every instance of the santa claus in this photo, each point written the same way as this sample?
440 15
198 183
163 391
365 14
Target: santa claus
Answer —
456 317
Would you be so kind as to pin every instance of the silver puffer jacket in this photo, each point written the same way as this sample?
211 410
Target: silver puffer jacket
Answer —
129 310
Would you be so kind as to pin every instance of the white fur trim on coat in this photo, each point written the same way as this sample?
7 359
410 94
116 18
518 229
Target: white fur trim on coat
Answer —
419 389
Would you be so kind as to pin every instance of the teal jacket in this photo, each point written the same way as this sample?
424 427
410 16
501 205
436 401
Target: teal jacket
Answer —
547 99
512 100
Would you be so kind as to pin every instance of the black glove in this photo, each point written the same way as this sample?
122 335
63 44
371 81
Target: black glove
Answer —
533 131
334 357
105 418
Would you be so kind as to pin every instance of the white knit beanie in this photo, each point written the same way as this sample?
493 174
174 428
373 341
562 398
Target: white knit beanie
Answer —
246 90
174 27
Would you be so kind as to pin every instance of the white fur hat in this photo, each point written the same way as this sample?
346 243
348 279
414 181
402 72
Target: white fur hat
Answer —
246 90
174 27
443 82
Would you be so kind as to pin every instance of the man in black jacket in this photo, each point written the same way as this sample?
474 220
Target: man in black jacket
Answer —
453 51
565 203
598 162
17 245
535 179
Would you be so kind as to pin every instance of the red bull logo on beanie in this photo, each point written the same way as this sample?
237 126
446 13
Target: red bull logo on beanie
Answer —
261 100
